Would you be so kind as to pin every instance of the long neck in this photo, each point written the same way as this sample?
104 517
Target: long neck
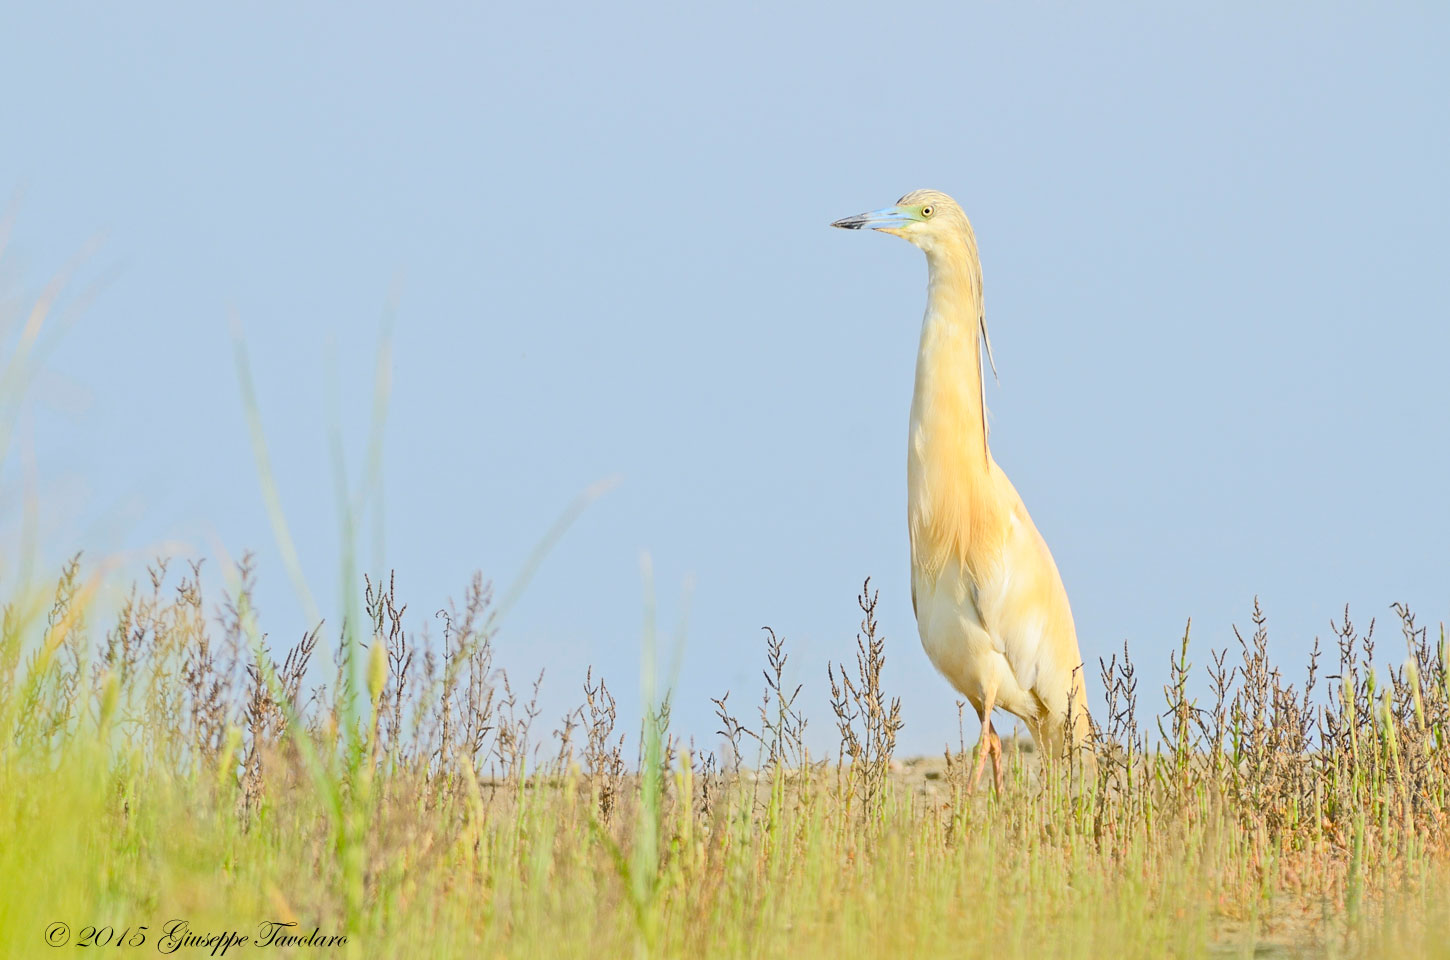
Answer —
948 401
948 464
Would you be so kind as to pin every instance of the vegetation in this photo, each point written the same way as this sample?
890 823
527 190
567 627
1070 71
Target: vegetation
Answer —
164 766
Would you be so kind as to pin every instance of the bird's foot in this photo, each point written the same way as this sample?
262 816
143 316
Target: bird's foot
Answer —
989 746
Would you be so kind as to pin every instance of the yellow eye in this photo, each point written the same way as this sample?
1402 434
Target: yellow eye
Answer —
926 210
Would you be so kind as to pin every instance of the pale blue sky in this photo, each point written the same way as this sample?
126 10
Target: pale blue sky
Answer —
1215 248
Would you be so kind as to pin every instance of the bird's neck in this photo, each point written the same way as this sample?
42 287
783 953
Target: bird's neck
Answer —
947 406
948 464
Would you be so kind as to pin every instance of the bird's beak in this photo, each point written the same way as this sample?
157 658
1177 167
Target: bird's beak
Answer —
887 219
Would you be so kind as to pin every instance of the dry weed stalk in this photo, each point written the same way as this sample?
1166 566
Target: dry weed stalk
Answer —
866 720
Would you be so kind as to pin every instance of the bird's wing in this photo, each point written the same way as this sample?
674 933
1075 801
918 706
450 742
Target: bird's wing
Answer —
1025 611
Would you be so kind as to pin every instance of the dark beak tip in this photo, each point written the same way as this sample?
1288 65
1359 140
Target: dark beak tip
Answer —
847 223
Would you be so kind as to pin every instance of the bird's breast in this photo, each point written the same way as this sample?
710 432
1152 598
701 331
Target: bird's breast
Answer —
951 512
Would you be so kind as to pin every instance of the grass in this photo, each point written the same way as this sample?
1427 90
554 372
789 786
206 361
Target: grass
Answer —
165 767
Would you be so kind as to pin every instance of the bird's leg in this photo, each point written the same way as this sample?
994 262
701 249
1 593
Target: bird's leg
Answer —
988 744
996 749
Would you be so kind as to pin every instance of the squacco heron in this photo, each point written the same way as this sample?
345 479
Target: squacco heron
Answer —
990 605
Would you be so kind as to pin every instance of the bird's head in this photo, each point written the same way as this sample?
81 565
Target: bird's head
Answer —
928 218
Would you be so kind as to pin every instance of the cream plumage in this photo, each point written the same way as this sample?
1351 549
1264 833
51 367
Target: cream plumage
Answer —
990 605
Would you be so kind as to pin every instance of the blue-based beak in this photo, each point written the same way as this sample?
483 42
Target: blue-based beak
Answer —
883 219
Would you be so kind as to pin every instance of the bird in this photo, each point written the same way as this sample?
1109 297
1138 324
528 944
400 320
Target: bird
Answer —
990 605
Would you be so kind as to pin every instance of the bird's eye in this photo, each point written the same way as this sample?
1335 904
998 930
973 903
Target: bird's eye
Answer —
926 211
